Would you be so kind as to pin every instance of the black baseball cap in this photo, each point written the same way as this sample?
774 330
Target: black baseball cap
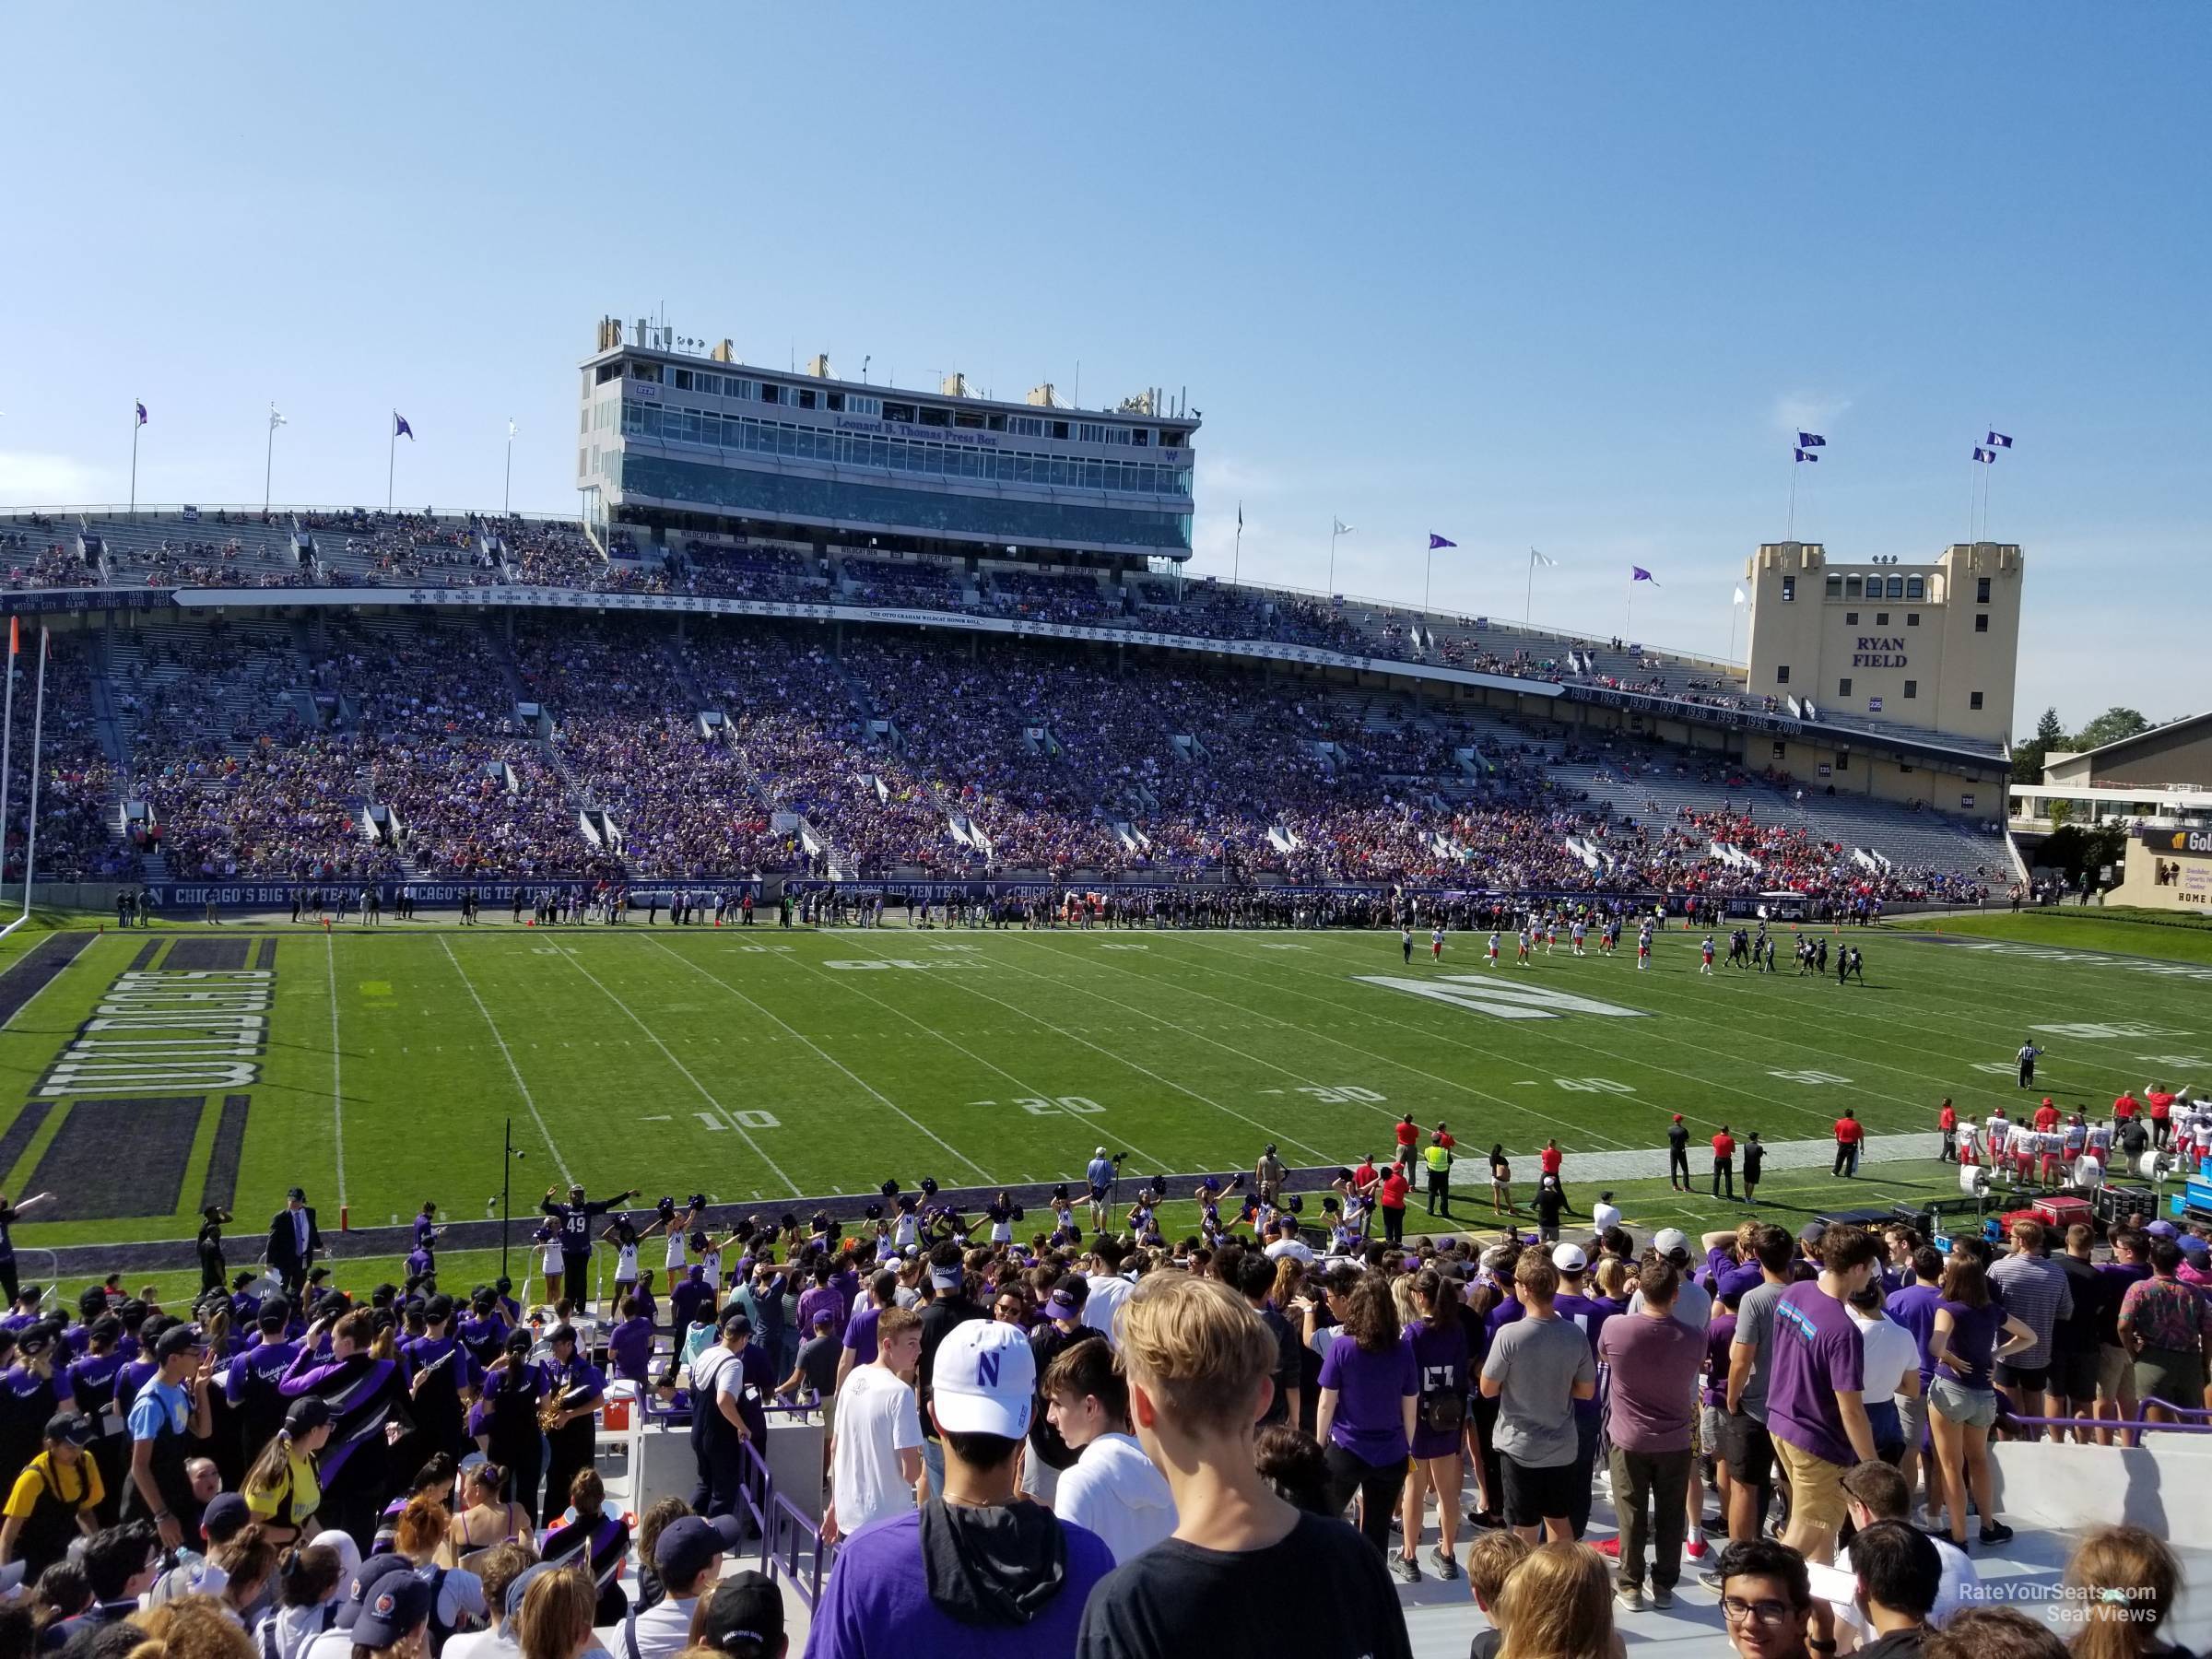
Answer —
179 1339
72 1427
225 1517
744 1617
309 1413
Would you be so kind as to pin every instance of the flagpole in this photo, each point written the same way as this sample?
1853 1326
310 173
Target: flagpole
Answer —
1792 534
38 723
1732 610
1427 569
7 732
391 460
507 489
1236 561
135 424
268 462
1334 533
1528 600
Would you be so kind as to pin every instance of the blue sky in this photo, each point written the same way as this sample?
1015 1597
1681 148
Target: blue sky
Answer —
1565 276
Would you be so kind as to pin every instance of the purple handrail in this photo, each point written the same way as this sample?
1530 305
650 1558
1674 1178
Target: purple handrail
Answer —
792 1531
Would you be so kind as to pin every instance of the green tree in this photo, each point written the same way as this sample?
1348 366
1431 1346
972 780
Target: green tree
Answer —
2110 727
2081 851
2028 757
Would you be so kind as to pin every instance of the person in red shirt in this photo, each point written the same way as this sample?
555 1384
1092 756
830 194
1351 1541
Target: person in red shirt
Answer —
1947 1119
2047 1116
1850 1133
2161 1113
2126 1106
1391 1199
1724 1162
1443 1137
1408 1134
1548 1162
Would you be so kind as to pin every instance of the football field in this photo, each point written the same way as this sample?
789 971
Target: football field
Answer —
154 1072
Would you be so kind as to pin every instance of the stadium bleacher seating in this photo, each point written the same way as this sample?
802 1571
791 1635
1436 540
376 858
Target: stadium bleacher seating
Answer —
348 749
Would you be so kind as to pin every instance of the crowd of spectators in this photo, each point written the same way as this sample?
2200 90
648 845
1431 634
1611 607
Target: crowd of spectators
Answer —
909 584
629 735
261 751
35 557
76 805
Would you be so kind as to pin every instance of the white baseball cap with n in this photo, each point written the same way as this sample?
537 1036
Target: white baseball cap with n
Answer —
985 1379
1670 1240
1568 1258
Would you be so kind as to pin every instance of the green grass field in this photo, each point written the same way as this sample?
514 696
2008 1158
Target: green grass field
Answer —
762 1066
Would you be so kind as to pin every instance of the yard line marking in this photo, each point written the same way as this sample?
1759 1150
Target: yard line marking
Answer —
825 1054
1581 1129
575 960
1582 1041
1132 1065
514 1070
929 1030
337 1096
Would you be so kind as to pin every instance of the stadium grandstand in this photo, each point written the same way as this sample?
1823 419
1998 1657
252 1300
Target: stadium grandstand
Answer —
893 637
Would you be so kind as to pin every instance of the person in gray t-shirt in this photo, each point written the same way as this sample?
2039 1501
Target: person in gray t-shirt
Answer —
1536 1364
1755 1330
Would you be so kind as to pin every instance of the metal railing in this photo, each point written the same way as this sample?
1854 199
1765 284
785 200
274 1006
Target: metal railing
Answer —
787 1532
2187 1420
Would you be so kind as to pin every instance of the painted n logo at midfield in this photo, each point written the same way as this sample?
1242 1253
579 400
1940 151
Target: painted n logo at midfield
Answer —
1503 999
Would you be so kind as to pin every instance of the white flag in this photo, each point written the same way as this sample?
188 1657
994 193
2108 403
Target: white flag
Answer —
1341 527
1549 564
1739 595
276 419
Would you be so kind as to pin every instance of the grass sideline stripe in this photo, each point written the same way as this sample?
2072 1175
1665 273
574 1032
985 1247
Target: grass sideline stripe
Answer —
220 1186
20 1133
116 1158
40 965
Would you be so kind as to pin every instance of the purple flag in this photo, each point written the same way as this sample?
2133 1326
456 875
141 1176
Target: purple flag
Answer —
142 414
1802 456
1985 456
1637 573
1998 440
1436 541
1811 441
400 428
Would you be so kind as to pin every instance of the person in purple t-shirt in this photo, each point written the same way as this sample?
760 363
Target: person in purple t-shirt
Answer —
859 1341
1652 1361
2115 1367
1369 1384
823 1295
1815 1411
629 1344
1587 1315
1438 1342
1972 1332
1914 1306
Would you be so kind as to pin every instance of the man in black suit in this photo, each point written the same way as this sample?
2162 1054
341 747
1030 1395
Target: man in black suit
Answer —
293 1242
